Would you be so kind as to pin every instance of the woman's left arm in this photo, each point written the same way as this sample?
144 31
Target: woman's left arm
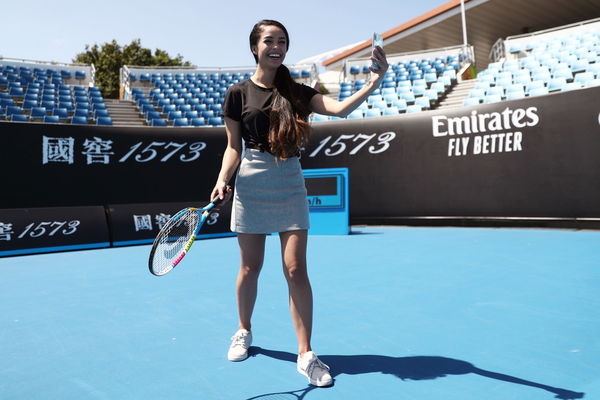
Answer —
328 106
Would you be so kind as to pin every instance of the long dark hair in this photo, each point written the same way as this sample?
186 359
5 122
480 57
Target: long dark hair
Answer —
288 130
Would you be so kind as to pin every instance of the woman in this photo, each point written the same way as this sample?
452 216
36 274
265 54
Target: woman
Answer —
269 113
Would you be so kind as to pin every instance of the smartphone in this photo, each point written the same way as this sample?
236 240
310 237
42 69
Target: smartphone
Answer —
377 41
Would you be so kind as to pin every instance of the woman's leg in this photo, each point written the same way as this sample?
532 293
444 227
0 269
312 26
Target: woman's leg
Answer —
293 252
252 252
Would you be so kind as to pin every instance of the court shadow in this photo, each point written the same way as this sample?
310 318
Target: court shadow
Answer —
412 368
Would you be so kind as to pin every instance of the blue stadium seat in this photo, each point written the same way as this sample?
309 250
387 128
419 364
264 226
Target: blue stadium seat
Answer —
61 113
180 122
29 104
52 119
173 115
104 121
215 121
19 118
159 122
38 112
198 121
152 115
82 112
13 110
100 114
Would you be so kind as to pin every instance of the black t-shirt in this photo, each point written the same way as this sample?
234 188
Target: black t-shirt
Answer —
250 104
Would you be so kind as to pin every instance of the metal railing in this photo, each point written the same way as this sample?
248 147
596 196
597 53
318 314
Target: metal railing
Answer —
127 70
89 70
442 52
501 48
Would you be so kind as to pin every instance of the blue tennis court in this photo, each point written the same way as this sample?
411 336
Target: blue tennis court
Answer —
405 313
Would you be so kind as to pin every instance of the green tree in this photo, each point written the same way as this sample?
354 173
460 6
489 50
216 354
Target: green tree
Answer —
110 57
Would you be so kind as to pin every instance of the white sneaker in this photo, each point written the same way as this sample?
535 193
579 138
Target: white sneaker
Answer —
240 342
314 369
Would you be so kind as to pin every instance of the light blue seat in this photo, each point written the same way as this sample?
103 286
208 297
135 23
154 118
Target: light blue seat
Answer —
592 82
563 73
355 114
423 102
495 90
515 94
389 98
471 101
391 111
439 86
431 94
492 98
409 97
373 98
400 104
319 117
413 109
419 90
538 91
373 112
382 104
583 77
535 85
482 85
580 66
477 93
556 84
572 86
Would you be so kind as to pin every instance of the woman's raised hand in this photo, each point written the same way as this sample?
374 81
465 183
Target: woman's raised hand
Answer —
379 57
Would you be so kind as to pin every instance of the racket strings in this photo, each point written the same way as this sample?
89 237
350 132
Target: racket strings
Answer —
172 241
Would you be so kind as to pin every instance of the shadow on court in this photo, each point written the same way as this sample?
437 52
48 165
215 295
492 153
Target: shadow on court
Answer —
408 368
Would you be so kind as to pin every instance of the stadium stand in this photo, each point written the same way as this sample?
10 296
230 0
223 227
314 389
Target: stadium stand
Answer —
35 91
189 96
553 60
415 81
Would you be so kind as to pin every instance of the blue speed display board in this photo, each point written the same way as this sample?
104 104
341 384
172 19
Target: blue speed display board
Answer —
328 200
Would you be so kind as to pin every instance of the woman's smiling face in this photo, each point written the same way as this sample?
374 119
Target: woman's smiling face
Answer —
271 47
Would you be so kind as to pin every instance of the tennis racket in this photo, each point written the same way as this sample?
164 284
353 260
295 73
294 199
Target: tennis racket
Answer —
177 236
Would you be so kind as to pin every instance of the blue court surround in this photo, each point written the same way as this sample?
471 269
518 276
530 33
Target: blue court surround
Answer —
403 313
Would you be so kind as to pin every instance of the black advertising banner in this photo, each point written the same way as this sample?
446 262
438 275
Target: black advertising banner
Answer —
534 157
38 230
139 223
57 165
